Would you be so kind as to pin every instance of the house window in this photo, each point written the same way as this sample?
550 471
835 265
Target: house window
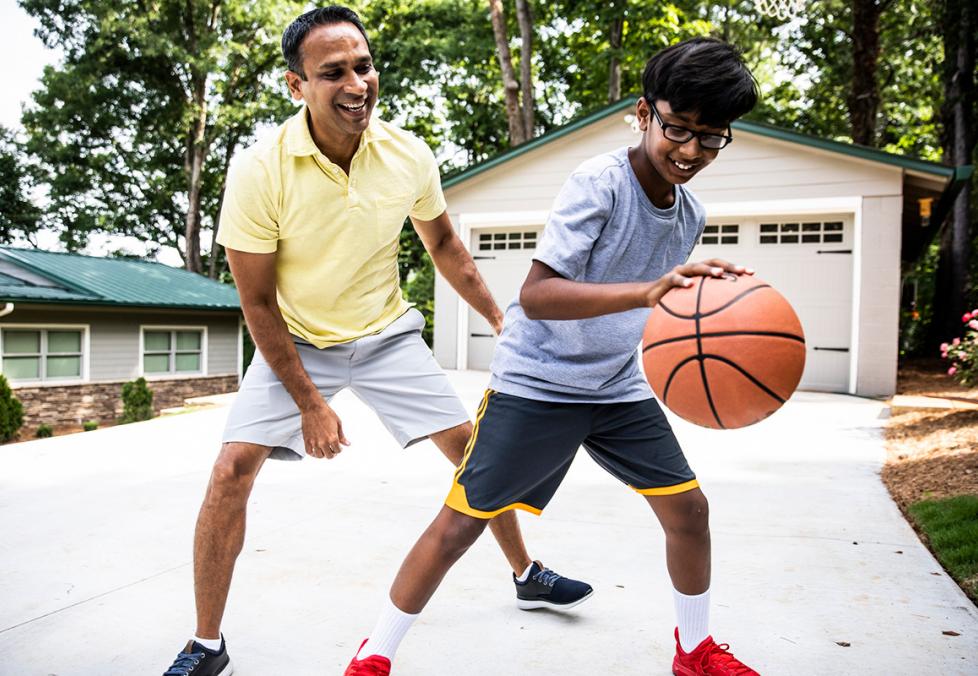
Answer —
173 351
813 232
507 241
728 233
42 354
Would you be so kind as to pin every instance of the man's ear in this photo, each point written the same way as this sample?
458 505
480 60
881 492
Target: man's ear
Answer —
294 81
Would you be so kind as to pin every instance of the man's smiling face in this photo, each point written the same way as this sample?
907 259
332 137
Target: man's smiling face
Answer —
340 85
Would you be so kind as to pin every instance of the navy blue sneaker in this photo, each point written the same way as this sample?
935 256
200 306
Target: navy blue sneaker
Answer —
196 660
546 589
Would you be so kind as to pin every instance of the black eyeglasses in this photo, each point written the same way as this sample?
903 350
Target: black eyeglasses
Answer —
678 134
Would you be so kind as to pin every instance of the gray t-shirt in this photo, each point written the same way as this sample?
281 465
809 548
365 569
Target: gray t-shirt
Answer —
602 229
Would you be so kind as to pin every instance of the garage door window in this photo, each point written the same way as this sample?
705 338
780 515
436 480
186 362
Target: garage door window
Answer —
811 232
507 241
726 233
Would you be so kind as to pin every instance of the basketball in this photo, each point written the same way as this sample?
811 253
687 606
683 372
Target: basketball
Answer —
725 352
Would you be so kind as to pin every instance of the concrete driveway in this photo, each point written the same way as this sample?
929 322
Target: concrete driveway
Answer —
815 571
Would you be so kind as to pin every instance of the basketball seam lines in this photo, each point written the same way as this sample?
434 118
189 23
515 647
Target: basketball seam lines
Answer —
699 352
723 334
714 311
704 357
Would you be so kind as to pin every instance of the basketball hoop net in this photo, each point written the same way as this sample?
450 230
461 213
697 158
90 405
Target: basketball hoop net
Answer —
785 10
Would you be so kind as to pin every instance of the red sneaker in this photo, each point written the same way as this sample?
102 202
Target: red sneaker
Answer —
374 665
708 659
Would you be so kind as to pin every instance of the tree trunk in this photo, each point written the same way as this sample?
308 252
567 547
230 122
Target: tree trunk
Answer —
196 154
614 70
864 96
212 269
526 66
959 58
510 86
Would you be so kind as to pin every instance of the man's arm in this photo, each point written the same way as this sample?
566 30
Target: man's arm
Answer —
254 275
454 262
548 295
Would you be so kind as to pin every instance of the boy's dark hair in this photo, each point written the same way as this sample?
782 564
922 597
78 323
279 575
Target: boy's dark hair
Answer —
703 76
296 32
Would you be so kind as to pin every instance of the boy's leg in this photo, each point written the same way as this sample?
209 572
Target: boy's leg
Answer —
505 527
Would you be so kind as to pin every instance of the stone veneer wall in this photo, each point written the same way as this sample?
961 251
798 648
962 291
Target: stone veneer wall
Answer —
74 404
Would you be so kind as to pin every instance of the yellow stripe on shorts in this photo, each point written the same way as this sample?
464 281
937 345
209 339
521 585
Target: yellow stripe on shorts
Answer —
669 490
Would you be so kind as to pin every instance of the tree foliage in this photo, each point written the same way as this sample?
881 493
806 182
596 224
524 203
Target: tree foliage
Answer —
19 216
135 129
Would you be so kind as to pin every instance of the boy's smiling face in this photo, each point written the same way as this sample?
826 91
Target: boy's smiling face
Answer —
674 162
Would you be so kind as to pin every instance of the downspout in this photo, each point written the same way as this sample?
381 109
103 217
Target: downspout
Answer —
7 309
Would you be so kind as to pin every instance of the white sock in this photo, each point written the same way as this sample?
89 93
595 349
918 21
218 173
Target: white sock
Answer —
391 627
209 643
692 618
526 573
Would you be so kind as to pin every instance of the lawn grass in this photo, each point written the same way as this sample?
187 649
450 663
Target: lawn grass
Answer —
951 527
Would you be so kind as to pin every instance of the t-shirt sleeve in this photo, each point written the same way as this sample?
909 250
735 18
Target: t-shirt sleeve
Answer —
249 214
430 202
580 212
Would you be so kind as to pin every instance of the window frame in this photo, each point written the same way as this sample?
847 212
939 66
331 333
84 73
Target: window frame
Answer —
172 375
85 355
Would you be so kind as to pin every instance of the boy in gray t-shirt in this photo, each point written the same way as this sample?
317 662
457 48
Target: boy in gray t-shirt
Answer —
565 373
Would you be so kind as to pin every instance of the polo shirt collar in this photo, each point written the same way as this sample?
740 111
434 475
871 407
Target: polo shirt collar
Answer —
299 140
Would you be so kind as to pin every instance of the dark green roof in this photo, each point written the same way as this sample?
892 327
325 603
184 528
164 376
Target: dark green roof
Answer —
768 130
88 280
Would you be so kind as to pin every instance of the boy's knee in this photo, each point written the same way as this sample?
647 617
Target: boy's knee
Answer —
456 531
691 516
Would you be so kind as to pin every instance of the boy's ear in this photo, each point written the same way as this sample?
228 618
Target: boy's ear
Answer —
643 113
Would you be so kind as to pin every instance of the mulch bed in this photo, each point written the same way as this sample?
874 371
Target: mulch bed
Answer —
931 453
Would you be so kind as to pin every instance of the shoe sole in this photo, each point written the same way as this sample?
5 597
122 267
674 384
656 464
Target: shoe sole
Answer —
227 671
523 604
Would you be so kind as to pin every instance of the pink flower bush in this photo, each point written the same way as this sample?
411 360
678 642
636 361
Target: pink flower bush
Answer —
962 352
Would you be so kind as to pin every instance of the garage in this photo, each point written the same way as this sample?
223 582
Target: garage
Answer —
785 251
822 221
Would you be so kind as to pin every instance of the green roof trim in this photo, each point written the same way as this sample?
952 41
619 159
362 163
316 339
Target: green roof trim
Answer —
88 280
759 128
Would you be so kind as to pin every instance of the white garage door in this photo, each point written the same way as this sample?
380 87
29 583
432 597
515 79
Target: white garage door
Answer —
503 256
808 259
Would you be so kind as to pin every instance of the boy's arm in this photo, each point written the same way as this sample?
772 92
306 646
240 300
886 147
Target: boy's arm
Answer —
548 295
455 263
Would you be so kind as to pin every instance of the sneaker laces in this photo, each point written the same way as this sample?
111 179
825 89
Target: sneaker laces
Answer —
546 577
184 663
720 655
364 667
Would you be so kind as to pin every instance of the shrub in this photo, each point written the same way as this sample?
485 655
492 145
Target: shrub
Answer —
90 425
43 431
11 412
137 401
963 352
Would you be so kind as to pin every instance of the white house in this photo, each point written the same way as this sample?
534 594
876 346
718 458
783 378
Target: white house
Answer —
822 221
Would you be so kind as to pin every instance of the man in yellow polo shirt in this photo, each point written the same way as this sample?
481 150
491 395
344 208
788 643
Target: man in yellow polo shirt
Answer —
311 222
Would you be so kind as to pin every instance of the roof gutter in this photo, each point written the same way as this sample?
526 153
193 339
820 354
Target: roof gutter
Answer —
959 179
7 309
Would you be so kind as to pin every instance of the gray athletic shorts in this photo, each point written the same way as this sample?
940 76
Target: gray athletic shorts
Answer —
393 372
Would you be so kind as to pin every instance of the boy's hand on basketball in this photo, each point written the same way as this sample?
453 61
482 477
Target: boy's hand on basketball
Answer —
681 276
323 432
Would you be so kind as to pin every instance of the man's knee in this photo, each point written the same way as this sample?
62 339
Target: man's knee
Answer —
236 467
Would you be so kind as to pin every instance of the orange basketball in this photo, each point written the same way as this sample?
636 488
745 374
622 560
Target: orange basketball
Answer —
725 352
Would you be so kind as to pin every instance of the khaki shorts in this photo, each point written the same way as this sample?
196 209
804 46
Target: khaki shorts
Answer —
393 372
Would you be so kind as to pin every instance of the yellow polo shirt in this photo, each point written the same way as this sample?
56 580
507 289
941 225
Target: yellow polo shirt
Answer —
335 236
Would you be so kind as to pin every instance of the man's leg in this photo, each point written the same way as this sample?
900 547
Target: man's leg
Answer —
505 527
220 530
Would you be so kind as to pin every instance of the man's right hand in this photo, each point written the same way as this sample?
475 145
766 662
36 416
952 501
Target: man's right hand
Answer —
323 432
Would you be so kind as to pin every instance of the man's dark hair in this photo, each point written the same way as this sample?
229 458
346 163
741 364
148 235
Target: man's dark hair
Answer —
704 76
296 32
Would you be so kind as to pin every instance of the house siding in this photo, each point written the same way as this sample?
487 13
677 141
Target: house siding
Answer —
114 336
